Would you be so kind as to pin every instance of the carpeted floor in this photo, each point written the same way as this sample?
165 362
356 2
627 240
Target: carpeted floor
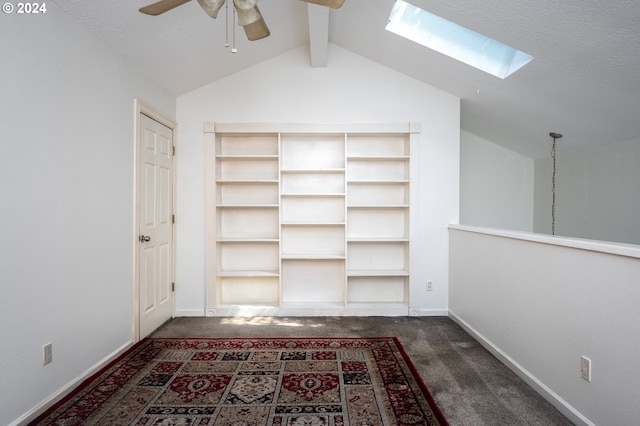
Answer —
471 387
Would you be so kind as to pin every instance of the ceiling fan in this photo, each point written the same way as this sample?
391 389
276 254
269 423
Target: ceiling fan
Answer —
249 16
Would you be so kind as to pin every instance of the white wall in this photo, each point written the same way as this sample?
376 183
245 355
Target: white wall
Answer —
496 185
350 89
66 190
541 302
596 193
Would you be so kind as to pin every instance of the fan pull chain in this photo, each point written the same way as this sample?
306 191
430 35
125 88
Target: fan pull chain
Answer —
226 24
233 25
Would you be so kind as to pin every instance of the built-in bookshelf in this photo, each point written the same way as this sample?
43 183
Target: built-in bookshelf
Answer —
308 218
378 218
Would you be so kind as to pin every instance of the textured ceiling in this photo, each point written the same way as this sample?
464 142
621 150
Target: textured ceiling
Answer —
583 81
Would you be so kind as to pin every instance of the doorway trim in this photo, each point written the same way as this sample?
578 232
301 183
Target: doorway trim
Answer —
142 108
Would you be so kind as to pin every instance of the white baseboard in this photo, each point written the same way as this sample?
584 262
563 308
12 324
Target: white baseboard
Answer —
317 309
434 312
66 389
561 405
189 313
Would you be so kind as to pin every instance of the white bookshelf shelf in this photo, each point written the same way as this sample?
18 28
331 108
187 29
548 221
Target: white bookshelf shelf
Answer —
372 273
248 274
248 240
317 256
311 171
248 206
313 195
376 239
255 181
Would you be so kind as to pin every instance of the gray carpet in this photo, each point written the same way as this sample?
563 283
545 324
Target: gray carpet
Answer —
469 384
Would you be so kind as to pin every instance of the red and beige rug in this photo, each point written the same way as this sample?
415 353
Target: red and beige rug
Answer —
254 382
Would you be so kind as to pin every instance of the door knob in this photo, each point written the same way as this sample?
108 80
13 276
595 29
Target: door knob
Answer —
144 238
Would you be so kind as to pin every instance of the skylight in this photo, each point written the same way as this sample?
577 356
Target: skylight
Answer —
455 41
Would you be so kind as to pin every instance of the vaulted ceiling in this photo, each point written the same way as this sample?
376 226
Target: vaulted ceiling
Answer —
584 81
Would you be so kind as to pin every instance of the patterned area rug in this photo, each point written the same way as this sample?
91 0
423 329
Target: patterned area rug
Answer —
254 382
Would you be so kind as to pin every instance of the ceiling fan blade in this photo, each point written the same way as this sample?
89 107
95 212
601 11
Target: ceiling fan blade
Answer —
247 11
256 30
250 18
335 4
212 7
161 6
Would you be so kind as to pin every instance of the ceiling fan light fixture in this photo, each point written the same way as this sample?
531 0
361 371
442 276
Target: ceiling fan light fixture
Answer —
212 7
334 4
248 15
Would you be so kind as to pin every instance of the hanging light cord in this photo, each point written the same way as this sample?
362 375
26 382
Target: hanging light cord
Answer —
553 182
233 25
231 20
226 24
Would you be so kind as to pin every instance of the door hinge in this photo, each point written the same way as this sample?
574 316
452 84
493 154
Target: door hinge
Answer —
173 218
174 150
173 286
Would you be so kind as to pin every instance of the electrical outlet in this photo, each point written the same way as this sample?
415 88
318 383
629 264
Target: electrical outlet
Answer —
47 353
429 285
585 368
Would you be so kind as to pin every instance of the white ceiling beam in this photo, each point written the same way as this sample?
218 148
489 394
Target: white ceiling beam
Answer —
318 34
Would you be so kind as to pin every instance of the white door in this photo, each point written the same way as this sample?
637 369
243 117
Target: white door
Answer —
155 239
